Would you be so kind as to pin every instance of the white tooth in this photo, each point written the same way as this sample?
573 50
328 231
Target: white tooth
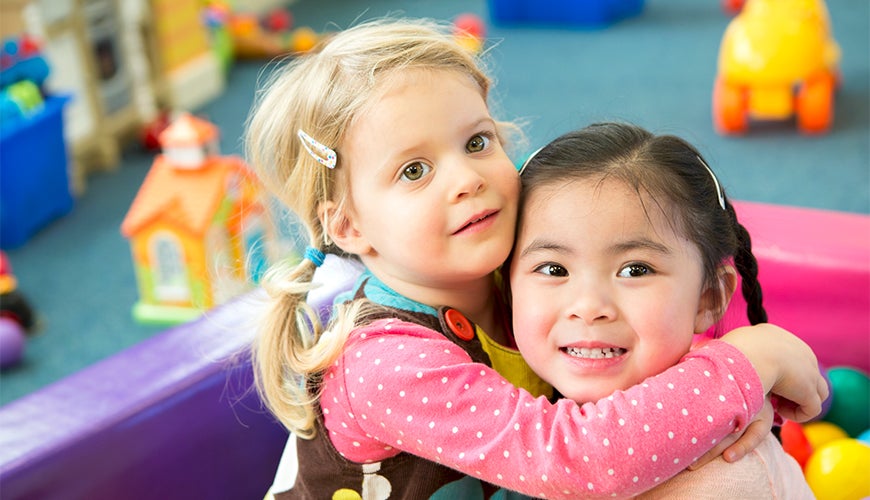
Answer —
594 353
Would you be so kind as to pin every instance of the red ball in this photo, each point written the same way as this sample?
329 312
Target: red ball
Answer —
469 24
795 442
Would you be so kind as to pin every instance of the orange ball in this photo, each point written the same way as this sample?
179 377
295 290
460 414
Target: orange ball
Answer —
303 39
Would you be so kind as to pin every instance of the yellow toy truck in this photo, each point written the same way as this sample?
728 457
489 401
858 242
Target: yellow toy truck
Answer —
777 58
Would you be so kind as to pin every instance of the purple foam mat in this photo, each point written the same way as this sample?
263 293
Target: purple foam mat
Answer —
172 417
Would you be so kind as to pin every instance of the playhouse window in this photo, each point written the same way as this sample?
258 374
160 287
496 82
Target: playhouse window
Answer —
170 272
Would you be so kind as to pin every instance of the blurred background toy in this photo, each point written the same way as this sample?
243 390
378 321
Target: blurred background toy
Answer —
470 31
197 228
23 71
16 316
269 35
585 14
732 7
34 181
777 59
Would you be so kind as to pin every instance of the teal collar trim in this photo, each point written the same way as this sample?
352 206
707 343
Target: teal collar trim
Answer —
380 293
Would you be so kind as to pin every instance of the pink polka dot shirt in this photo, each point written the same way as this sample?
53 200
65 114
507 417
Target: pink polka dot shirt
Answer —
402 387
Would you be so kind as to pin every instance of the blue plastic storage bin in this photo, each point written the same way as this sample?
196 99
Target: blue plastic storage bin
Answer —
34 182
566 13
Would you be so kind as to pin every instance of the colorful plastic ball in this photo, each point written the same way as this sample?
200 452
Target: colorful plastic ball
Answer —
839 470
826 404
795 442
12 341
864 437
822 433
850 407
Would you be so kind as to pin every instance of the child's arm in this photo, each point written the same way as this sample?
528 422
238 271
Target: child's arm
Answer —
401 387
787 367
734 447
771 349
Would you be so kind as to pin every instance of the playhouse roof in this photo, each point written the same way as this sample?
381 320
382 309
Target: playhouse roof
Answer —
188 130
187 198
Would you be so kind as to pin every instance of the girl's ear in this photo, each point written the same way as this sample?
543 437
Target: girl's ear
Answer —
708 311
340 228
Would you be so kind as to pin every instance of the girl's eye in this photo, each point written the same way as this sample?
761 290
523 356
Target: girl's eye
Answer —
477 143
634 271
415 171
552 270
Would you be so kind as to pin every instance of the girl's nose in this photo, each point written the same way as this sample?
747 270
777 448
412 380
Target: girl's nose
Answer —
591 303
465 179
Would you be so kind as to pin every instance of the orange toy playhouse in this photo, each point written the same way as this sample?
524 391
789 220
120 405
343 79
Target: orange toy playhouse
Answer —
198 227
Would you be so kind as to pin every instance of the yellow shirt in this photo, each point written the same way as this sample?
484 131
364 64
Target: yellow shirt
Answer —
511 365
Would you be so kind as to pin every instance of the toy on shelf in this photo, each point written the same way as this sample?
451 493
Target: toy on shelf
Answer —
777 59
198 229
23 71
271 35
16 316
34 179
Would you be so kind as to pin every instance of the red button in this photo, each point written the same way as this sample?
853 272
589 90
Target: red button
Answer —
459 324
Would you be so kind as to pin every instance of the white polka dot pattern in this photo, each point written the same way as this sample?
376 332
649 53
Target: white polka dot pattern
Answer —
384 397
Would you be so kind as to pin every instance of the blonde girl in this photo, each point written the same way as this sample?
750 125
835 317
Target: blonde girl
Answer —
381 141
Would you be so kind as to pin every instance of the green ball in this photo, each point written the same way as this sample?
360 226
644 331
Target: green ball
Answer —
850 404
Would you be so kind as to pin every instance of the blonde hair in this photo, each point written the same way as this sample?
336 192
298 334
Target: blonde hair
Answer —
322 93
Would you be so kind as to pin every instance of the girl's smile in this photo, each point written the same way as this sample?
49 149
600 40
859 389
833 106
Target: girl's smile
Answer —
605 292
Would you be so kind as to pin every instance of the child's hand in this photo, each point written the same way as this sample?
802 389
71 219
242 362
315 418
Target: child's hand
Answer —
738 444
787 366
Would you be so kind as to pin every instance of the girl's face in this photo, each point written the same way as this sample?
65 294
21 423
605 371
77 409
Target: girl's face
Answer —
605 294
433 196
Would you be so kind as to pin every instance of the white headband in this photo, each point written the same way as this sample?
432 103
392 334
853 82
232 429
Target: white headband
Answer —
715 181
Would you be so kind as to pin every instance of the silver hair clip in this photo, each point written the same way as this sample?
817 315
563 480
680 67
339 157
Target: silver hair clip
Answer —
324 155
526 163
715 181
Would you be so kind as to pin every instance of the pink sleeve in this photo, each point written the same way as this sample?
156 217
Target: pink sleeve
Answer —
402 387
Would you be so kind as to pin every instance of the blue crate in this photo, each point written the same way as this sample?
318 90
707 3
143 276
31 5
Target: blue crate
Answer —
563 13
34 182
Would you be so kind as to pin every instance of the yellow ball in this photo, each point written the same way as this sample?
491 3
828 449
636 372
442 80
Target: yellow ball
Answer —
820 433
839 469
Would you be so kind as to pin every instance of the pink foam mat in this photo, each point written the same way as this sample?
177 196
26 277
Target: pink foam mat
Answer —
814 268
